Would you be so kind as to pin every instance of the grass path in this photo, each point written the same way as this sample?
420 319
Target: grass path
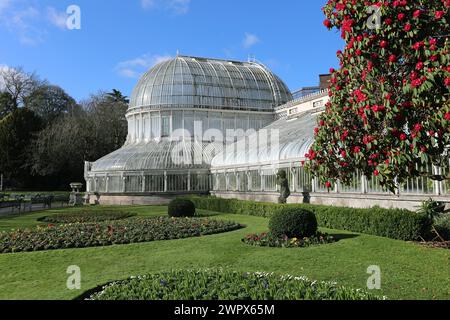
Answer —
408 270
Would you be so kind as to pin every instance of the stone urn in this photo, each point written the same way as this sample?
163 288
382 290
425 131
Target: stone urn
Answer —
76 197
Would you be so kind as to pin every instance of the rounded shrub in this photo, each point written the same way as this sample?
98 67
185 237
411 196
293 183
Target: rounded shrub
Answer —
181 208
293 223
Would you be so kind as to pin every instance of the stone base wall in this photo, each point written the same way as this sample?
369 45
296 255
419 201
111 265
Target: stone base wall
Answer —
131 199
409 202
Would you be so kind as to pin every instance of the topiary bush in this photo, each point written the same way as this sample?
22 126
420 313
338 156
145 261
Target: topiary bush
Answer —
181 208
293 223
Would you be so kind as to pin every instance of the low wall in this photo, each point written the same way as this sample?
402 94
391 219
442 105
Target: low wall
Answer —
409 202
132 199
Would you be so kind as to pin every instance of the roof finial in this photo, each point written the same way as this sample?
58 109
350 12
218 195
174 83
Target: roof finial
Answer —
178 53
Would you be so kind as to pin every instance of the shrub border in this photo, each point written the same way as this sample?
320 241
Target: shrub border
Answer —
400 224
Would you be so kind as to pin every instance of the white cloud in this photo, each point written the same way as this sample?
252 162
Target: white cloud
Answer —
28 22
133 68
148 4
57 18
250 40
178 7
4 4
23 23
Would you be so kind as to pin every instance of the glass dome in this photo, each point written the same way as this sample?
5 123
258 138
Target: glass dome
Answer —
194 82
179 118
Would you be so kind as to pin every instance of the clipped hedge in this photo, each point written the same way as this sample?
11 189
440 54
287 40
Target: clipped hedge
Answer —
398 224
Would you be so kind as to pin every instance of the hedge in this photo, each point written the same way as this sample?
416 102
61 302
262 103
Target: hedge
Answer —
398 224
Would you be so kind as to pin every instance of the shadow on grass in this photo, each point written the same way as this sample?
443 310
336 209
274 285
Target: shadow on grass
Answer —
343 236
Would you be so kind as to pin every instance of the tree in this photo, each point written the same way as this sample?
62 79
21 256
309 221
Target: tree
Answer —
18 83
87 134
389 111
6 104
108 121
49 102
117 97
16 132
60 149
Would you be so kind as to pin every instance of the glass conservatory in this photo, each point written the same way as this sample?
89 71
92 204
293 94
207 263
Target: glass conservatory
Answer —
250 165
182 113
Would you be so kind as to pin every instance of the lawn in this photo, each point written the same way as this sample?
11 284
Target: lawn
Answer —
409 271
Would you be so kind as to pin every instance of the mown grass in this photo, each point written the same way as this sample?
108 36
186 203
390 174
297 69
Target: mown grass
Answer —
409 271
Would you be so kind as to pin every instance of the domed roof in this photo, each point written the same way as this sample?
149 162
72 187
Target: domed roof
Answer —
191 82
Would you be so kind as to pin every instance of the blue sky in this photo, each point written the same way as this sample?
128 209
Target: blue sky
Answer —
119 40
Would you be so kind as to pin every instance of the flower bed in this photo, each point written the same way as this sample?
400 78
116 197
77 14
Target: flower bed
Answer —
80 235
436 244
86 216
225 285
269 240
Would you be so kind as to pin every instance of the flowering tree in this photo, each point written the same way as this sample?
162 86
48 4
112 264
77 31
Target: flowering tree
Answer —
389 110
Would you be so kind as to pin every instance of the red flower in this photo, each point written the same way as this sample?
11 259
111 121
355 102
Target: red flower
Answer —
344 154
408 27
327 23
417 13
401 16
419 65
447 82
383 44
376 173
418 127
447 116
347 26
403 137
392 58
378 108
328 184
416 83
439 14
418 45
357 149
